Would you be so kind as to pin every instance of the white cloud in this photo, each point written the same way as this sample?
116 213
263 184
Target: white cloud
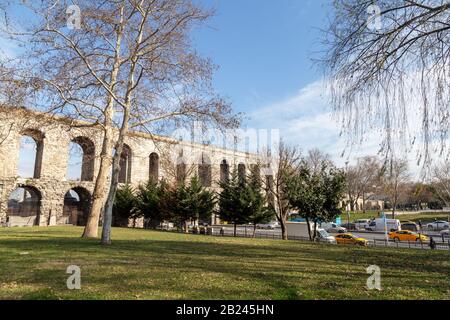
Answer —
306 120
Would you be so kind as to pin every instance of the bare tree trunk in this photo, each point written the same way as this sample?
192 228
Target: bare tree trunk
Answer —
107 219
309 229
284 234
100 189
364 202
254 230
235 230
315 231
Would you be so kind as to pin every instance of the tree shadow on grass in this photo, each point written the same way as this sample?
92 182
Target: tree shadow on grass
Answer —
274 267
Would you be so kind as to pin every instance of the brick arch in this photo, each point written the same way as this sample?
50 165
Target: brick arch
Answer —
181 169
75 211
88 161
154 166
205 170
24 206
126 160
224 171
38 137
242 170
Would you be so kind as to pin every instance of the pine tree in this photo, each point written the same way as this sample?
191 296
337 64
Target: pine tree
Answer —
124 207
191 202
232 202
256 203
152 202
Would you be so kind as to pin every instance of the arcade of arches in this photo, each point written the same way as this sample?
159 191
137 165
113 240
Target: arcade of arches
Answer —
52 192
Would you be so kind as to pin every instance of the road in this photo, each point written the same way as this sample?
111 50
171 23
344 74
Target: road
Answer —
374 238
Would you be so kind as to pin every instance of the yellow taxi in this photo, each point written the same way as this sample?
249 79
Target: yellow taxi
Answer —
348 238
406 235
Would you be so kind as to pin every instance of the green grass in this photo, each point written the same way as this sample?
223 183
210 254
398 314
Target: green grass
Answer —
425 217
143 264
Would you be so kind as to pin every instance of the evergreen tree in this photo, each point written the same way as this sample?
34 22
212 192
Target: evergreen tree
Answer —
232 202
316 193
152 202
192 202
334 191
255 202
124 207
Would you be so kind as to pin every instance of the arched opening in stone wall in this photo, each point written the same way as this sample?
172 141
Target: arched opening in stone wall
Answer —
30 154
77 203
125 165
256 171
242 171
181 174
24 207
154 167
81 160
205 171
224 171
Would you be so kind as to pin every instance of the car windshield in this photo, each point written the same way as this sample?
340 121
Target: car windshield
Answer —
324 234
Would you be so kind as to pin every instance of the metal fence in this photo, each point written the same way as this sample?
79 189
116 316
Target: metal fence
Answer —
440 245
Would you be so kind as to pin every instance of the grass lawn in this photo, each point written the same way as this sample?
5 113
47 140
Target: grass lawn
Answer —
143 264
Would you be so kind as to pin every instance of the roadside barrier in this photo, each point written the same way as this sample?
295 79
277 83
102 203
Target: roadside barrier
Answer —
261 234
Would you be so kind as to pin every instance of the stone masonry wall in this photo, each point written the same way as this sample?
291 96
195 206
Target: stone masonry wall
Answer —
55 135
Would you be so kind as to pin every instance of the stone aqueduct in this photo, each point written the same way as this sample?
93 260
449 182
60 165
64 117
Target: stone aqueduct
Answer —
45 197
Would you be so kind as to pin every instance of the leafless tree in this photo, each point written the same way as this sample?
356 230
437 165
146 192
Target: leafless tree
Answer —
316 159
128 66
385 60
284 160
395 178
441 182
362 179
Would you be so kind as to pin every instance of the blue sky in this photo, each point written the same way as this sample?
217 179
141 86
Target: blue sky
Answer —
263 48
265 53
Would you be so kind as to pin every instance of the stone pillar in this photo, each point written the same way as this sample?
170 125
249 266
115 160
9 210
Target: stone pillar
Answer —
6 187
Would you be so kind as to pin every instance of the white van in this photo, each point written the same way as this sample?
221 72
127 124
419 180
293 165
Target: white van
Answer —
362 224
380 224
332 227
297 230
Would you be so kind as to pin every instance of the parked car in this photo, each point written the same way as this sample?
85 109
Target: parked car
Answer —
445 233
348 238
362 224
438 225
349 226
406 235
267 226
333 227
167 226
411 226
